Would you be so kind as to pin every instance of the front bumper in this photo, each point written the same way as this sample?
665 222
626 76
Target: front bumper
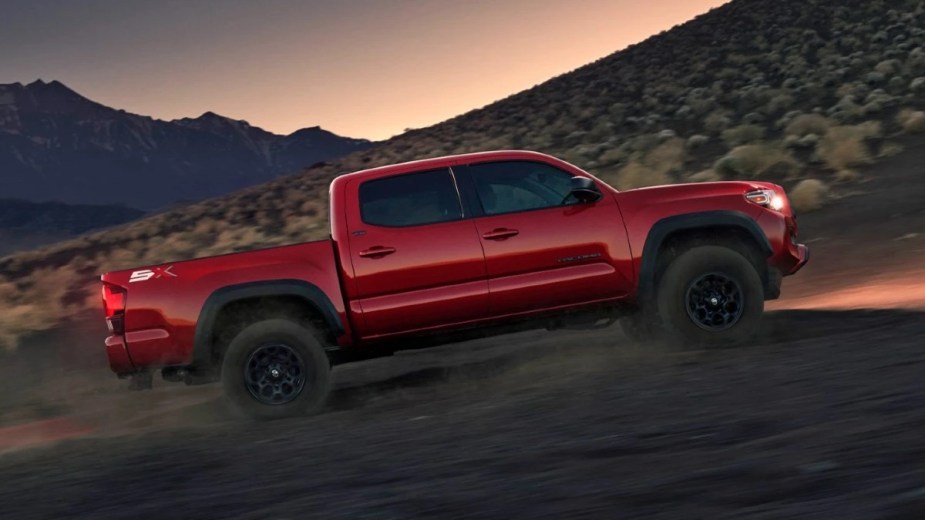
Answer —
784 265
802 257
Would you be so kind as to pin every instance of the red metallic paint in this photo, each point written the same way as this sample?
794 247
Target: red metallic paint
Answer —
160 323
443 275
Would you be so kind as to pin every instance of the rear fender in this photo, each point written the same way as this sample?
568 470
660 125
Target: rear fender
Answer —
203 344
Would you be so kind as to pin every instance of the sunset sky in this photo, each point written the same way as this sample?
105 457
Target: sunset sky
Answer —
361 68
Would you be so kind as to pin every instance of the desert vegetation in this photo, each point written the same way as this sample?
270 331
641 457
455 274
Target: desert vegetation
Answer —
800 92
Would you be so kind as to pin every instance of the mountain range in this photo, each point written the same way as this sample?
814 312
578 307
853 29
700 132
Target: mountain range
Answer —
56 145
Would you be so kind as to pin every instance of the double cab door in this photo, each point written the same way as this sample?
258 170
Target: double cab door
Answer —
469 242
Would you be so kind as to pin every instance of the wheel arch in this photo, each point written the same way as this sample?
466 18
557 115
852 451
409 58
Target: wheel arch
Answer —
679 231
286 295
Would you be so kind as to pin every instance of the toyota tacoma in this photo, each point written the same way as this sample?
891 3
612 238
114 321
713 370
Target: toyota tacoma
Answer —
435 251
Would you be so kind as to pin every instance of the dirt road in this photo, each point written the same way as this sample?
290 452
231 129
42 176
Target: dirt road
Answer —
824 416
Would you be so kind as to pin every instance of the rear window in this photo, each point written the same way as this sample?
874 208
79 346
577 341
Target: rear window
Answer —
413 199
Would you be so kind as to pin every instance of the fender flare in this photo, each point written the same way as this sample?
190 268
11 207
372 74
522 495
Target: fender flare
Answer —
311 293
689 222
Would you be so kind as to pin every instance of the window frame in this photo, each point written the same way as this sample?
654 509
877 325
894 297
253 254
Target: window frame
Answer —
446 170
469 190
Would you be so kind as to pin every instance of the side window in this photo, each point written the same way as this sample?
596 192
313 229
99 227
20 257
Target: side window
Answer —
410 200
509 186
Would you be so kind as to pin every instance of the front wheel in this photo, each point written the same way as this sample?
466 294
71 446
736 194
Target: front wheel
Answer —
710 296
276 368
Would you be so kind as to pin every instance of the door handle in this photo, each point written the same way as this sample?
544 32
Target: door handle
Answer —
377 252
500 234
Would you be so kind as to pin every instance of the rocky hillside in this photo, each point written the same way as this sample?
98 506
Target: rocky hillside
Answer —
56 145
25 224
802 92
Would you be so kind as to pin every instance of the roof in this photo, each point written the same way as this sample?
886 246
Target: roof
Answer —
450 160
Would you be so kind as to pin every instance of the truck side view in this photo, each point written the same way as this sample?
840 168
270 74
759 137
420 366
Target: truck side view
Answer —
426 252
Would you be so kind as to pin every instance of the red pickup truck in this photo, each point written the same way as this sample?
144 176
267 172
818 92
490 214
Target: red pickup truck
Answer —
426 252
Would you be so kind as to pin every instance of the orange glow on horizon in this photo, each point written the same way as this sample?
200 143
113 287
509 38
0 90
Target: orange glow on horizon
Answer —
358 69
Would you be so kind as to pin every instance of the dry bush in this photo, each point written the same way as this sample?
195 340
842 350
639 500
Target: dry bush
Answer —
21 313
704 176
743 134
889 149
843 147
847 176
911 121
808 195
755 160
652 168
806 124
612 156
716 122
637 175
668 156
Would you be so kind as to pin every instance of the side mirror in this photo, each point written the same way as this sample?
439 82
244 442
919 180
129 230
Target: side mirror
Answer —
585 190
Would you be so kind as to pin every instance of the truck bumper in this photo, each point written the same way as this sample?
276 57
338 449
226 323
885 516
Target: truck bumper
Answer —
792 261
119 360
802 256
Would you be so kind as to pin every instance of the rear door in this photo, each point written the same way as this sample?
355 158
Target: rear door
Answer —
417 259
542 248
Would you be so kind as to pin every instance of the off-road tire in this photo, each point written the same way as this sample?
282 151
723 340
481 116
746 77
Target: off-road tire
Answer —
247 354
729 278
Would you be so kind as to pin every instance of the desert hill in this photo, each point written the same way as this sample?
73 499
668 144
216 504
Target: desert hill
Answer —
802 92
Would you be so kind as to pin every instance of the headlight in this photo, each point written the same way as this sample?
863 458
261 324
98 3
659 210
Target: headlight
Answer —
766 198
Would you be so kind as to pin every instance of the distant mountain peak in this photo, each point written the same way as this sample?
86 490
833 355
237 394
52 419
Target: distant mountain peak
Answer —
57 144
209 115
51 87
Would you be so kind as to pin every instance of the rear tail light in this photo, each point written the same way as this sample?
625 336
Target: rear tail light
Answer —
114 306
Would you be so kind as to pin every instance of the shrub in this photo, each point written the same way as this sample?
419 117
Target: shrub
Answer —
667 157
808 195
704 176
911 121
843 147
637 175
716 122
612 156
755 160
743 134
805 124
889 149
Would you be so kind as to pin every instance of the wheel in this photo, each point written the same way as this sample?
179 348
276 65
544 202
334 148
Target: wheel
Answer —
276 368
710 296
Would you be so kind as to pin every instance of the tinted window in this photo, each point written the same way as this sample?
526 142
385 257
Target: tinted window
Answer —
410 200
505 187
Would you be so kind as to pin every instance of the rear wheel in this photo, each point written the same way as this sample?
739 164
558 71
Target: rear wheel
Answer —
276 368
710 296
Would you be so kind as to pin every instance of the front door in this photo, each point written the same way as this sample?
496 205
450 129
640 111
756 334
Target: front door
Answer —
417 262
543 249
